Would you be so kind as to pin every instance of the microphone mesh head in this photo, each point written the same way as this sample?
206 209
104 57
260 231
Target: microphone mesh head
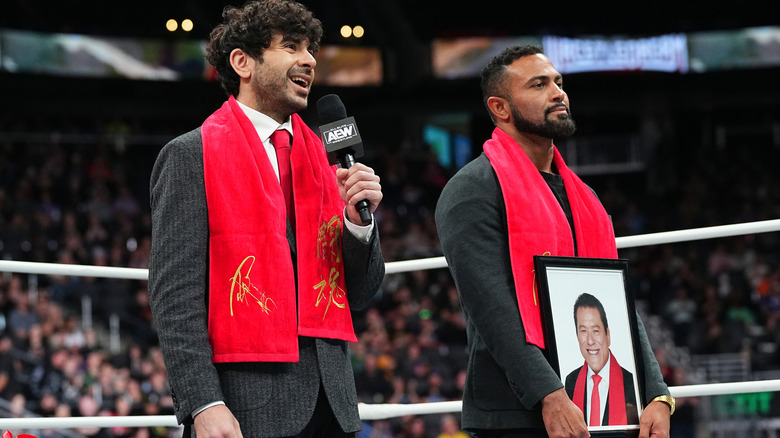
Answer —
330 109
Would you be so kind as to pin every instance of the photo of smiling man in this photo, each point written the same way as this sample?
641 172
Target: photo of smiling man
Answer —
601 388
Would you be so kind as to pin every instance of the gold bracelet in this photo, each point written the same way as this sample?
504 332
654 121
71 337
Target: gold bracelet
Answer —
668 399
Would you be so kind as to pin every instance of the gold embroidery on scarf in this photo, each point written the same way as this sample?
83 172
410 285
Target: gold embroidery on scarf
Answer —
329 240
533 271
329 249
242 286
334 294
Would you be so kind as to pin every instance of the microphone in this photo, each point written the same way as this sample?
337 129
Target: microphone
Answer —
342 140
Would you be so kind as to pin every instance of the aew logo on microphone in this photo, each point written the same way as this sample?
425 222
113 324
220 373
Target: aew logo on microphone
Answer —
340 133
341 136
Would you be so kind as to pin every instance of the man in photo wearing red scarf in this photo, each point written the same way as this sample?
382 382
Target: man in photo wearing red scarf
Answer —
516 200
258 252
601 388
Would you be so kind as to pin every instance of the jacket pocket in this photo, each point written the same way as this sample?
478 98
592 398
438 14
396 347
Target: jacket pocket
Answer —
490 386
246 385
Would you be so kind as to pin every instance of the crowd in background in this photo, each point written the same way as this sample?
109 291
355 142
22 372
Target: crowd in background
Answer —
79 204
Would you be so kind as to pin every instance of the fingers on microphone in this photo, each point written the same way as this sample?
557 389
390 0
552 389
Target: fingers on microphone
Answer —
368 190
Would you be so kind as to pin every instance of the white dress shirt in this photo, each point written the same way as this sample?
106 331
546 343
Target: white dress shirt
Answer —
603 389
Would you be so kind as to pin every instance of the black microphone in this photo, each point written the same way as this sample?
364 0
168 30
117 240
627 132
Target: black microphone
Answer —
342 140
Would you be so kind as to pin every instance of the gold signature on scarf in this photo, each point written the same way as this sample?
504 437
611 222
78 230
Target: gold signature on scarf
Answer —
331 295
241 285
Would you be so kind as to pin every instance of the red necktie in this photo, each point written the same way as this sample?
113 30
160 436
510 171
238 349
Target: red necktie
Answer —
595 402
281 140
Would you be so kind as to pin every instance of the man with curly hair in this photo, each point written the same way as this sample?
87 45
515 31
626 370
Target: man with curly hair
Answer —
258 251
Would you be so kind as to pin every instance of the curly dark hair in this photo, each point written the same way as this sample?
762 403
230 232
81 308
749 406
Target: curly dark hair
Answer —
251 28
493 75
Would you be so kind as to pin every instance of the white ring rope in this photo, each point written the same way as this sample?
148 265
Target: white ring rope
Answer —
367 412
76 422
74 270
408 265
382 411
698 233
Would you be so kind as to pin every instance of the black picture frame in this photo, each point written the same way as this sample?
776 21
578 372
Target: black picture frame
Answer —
560 282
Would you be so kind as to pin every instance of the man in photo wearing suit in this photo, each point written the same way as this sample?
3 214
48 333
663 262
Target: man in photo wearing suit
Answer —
258 251
601 388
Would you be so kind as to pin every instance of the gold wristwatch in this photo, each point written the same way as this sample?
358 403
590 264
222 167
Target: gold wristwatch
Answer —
668 399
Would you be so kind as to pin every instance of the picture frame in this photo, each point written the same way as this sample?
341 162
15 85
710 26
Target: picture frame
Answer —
571 289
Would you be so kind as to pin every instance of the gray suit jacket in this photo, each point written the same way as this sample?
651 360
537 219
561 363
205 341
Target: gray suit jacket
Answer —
506 377
268 399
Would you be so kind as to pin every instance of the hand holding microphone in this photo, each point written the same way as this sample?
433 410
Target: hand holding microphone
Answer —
343 143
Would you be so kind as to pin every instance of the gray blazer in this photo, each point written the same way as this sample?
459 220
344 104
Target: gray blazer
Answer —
268 399
506 377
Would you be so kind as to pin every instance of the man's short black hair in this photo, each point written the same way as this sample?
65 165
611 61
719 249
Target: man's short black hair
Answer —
493 75
588 300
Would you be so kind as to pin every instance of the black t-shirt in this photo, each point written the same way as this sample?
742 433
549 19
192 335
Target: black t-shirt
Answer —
555 182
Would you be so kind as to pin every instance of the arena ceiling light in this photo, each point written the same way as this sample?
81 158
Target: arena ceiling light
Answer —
186 25
349 31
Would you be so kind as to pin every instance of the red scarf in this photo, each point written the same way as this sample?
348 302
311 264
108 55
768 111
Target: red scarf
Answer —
537 224
252 289
616 398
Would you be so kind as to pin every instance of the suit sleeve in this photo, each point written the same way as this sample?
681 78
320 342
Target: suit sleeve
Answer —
470 217
178 274
571 382
364 268
654 381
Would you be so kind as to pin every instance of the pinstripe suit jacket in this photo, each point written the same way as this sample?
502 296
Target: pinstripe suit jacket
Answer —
267 399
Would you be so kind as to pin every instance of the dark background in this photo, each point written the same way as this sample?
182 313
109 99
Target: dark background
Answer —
689 109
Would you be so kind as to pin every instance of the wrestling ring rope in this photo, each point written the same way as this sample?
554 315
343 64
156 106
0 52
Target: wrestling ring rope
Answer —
383 411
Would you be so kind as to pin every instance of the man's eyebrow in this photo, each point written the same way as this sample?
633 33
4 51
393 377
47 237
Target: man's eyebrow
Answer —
299 39
545 78
292 38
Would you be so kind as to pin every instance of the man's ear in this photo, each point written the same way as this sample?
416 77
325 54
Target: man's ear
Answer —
499 107
241 63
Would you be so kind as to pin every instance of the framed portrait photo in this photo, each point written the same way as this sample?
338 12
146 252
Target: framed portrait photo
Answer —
592 340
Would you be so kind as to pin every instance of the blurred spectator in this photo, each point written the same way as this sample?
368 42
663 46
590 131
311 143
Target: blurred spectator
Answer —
372 383
88 407
102 390
72 336
770 306
683 423
21 319
681 312
9 383
667 370
738 312
413 427
450 428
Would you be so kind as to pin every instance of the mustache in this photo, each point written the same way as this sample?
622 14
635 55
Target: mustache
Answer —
555 107
300 71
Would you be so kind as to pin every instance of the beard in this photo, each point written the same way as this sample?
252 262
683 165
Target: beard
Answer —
561 127
271 89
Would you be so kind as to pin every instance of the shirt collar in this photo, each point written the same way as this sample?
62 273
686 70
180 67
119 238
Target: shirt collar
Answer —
604 373
264 124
